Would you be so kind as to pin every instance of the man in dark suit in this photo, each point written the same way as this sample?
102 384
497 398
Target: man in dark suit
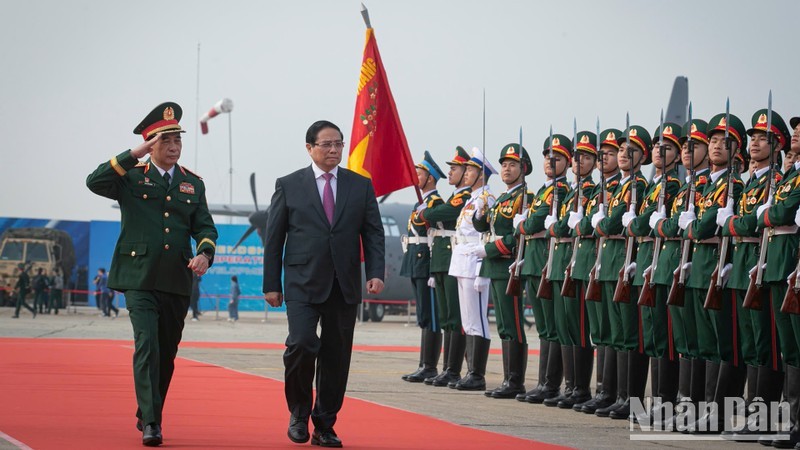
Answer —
321 214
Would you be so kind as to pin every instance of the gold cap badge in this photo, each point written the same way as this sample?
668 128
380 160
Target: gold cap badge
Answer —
169 114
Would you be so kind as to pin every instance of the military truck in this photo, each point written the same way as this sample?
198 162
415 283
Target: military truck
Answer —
45 248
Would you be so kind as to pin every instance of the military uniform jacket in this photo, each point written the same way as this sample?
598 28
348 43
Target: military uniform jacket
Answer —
704 230
782 248
417 258
499 223
562 251
611 227
154 246
587 248
537 239
23 285
640 226
464 264
744 226
442 215
669 230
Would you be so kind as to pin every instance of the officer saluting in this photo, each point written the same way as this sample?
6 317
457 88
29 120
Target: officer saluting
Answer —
163 205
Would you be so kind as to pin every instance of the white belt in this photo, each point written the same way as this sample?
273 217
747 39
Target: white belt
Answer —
417 240
461 239
642 239
785 229
441 233
564 240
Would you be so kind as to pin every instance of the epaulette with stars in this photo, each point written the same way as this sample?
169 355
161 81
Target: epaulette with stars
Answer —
187 170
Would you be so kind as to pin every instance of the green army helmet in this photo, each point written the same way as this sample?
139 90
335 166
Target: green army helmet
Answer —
779 128
609 137
587 143
737 132
561 144
460 158
429 165
698 130
163 118
519 154
639 136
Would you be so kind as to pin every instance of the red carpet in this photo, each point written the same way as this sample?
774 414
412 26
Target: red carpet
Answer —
357 348
64 394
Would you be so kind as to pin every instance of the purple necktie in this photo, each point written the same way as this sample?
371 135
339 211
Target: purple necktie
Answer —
327 197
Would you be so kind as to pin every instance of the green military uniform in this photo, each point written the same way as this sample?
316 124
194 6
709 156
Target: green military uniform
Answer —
442 217
23 287
416 265
498 223
150 259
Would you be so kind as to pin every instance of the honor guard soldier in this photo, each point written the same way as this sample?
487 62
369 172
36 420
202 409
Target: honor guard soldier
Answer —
22 288
547 268
569 303
585 266
623 315
442 218
416 265
496 255
473 292
163 205
654 316
777 216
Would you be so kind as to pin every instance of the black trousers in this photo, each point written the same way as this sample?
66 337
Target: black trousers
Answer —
327 356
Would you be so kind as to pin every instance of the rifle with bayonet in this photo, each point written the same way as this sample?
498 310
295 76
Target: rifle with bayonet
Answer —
791 301
593 288
647 295
714 294
569 288
622 293
545 290
677 292
752 299
514 286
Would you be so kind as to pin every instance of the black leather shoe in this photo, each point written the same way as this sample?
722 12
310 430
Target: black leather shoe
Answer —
298 430
325 438
151 435
139 425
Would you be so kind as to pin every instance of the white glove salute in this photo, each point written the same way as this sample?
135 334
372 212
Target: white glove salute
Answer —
481 283
723 214
549 220
656 217
686 218
575 217
431 282
518 219
599 215
627 218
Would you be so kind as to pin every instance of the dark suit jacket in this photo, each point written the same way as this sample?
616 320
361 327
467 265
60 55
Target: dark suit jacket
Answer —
311 251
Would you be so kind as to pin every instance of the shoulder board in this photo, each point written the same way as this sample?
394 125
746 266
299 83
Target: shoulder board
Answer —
587 184
140 164
458 200
613 183
673 179
561 184
642 179
738 181
702 179
435 197
778 177
190 172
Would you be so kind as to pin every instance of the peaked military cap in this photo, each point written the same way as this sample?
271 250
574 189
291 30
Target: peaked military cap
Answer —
793 122
561 144
460 157
512 151
587 143
672 133
697 130
479 160
735 128
639 136
163 118
609 137
778 126
429 165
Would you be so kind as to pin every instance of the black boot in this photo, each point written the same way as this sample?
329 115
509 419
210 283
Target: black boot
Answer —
622 385
421 353
544 352
455 361
769 386
608 395
638 365
553 376
504 344
447 335
601 354
469 349
697 387
475 381
666 394
792 395
568 367
517 364
583 358
718 380
430 357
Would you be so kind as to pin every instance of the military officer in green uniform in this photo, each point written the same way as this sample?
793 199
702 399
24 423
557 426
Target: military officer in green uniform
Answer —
442 217
778 216
163 205
497 255
22 288
416 265
599 326
632 363
654 318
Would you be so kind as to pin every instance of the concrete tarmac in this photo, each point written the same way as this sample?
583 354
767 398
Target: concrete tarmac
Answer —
374 375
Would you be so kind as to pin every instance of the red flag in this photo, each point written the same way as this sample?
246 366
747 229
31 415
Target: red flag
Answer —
378 146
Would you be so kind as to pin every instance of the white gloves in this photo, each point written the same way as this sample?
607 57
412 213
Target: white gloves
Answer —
630 269
797 218
686 268
656 217
575 217
481 283
518 219
753 270
627 218
723 214
479 205
686 218
549 220
726 273
761 209
479 251
431 282
647 270
599 215
514 265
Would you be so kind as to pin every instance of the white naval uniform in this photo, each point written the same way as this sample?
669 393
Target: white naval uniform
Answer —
473 304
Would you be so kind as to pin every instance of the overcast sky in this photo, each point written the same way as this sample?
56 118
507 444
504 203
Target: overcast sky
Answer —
77 76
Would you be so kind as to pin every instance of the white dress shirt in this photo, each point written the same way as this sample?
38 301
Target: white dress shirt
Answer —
321 181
